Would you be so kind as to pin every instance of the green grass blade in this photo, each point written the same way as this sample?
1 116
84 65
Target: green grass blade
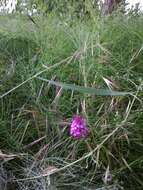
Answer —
88 90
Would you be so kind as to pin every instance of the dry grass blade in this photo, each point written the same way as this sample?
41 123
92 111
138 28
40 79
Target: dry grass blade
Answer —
7 157
35 142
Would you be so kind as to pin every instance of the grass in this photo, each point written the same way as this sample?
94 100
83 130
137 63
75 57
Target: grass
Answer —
35 116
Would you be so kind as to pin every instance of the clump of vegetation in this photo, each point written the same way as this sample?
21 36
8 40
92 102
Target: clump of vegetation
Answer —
35 115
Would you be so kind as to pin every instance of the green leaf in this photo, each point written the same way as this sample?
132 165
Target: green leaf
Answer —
88 90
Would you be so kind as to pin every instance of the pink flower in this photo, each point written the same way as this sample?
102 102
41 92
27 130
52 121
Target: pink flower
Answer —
78 127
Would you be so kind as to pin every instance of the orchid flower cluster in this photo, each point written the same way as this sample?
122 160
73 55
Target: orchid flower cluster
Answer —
78 128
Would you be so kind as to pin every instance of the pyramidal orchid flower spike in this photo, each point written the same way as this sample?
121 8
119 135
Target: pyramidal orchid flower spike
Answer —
78 127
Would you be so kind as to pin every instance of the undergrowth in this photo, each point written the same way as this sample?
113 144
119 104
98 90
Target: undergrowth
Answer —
35 116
